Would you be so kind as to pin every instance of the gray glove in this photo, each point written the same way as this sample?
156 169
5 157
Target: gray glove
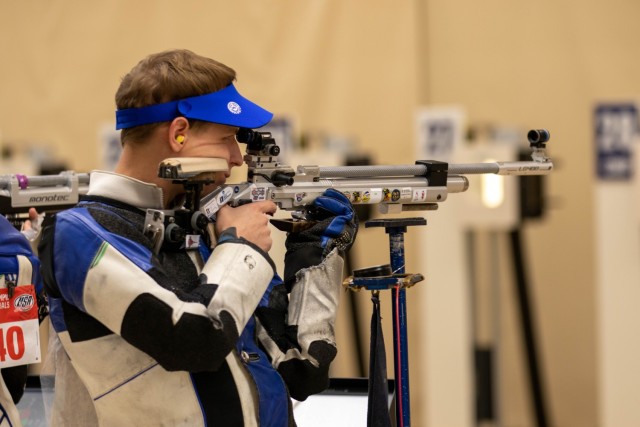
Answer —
336 227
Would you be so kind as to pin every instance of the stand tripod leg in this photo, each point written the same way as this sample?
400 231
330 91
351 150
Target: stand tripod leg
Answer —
400 347
400 357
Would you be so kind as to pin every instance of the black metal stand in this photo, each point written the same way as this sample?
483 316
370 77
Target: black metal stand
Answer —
528 332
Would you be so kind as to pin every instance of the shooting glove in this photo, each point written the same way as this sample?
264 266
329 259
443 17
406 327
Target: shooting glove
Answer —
304 346
336 226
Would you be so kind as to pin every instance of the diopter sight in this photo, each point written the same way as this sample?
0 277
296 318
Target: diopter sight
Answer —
258 143
261 157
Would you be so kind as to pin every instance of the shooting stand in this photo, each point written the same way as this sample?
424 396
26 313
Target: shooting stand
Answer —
393 278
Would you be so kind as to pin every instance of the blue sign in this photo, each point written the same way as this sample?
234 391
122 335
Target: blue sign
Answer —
616 127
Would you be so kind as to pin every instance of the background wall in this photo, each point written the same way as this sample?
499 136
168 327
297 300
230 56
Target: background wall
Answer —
359 70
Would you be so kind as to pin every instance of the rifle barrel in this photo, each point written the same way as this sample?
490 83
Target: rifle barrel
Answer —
500 168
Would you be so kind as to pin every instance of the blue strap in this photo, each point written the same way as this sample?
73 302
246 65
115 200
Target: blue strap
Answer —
156 113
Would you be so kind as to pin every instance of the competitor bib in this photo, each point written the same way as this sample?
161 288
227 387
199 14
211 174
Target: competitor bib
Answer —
19 327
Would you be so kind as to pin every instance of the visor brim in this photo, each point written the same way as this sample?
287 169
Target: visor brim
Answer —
225 107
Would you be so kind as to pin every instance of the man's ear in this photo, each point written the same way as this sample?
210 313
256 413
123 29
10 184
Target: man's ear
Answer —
178 130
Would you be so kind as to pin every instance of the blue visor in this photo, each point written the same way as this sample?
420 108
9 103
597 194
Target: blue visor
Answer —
226 107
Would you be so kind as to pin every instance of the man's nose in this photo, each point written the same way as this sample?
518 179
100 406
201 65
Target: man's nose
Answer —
236 156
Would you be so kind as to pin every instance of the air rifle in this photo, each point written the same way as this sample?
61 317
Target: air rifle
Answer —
394 189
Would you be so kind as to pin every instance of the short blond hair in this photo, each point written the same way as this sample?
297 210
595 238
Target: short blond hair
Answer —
168 76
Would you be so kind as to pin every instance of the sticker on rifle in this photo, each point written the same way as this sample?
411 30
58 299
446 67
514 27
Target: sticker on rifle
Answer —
258 194
386 195
221 199
19 327
406 194
373 196
419 195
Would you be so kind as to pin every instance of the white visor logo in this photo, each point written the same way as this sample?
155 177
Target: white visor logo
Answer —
234 108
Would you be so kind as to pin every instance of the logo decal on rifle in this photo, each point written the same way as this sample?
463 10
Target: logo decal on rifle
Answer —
259 193
223 196
419 195
405 194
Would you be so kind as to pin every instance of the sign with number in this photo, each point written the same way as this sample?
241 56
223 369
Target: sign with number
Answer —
439 132
616 128
19 328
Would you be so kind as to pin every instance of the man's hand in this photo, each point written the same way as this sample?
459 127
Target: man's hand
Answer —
251 222
336 227
31 227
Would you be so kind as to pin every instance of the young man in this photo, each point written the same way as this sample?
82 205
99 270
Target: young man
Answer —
203 336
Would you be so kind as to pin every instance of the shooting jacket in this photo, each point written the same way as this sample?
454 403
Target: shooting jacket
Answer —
167 339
